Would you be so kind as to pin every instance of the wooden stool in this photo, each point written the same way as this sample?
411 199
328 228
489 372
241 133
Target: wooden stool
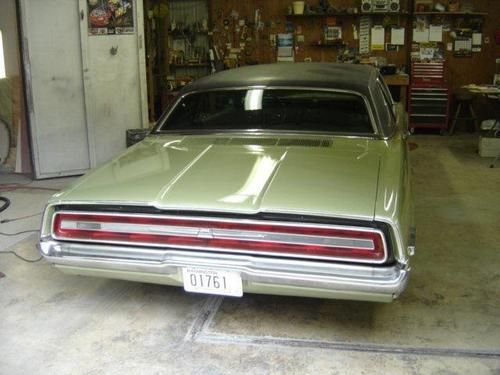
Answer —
464 101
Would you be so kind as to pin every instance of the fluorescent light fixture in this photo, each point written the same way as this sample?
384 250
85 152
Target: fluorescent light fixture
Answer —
2 58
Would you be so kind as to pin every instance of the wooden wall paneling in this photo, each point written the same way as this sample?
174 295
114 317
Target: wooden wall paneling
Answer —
398 57
479 68
476 69
274 13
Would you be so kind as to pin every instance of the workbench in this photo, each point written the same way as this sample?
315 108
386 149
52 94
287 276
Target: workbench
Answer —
402 80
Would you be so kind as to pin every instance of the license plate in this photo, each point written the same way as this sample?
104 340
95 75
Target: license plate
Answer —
201 280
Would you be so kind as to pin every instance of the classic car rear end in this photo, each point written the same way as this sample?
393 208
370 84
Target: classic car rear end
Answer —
263 185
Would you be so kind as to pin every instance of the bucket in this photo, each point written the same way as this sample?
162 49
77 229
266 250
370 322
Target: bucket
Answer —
298 7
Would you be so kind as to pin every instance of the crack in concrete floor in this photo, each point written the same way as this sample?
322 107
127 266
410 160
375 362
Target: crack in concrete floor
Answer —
202 331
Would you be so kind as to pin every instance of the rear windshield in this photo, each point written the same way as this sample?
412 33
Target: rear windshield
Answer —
270 109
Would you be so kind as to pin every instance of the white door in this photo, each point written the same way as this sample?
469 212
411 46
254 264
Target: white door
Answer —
114 78
55 99
84 90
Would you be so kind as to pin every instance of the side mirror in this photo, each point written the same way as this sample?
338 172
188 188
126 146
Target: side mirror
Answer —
136 135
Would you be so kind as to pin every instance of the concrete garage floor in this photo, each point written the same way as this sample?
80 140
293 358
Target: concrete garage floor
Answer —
447 322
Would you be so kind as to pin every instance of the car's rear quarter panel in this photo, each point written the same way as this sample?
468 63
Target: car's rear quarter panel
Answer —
394 204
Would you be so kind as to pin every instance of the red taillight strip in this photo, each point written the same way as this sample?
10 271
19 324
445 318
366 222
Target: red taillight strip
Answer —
83 229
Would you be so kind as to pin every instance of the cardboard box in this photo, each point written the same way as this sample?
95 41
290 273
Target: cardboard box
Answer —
424 5
489 147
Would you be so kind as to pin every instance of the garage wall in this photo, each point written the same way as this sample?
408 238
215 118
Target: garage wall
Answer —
11 94
8 25
461 70
274 15
479 68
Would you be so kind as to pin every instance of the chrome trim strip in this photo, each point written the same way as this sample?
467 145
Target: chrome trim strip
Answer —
377 131
398 249
381 283
226 250
233 234
299 239
218 219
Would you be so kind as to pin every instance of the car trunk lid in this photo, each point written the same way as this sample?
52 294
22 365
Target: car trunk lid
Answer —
334 177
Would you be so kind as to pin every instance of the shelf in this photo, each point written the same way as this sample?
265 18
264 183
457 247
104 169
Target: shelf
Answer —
402 13
326 45
179 33
179 36
321 15
202 65
428 115
472 14
315 15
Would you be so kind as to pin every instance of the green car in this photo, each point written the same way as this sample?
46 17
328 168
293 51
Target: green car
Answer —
288 179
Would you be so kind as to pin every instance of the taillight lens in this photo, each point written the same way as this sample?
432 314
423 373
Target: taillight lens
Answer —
297 240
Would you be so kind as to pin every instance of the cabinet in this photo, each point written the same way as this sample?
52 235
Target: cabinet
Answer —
178 38
429 101
429 107
188 39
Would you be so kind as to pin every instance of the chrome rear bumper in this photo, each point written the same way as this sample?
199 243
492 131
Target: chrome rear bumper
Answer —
259 274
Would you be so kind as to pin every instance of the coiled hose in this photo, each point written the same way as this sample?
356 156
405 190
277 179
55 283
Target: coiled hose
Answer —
4 151
5 205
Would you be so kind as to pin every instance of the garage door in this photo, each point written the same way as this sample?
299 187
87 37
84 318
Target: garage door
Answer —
83 90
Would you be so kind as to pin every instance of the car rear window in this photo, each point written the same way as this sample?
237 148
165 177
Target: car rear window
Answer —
270 109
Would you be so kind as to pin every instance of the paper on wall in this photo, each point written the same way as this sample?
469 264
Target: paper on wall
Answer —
378 38
427 53
463 45
477 41
398 36
285 47
436 33
364 34
421 36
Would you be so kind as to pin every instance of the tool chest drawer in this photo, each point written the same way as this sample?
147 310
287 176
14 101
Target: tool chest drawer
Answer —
428 107
428 72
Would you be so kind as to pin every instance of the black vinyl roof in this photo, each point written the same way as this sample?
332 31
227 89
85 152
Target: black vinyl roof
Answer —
317 75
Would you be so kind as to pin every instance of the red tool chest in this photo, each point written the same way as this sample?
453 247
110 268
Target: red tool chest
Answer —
429 97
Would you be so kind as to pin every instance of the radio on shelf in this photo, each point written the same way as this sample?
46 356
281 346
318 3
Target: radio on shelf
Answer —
380 6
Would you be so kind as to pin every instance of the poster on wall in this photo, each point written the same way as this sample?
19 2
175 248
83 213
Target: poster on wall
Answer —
109 17
285 47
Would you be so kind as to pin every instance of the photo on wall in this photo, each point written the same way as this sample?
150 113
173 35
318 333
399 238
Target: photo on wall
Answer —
108 17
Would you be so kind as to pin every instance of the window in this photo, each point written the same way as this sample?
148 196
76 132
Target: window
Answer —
2 58
297 110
